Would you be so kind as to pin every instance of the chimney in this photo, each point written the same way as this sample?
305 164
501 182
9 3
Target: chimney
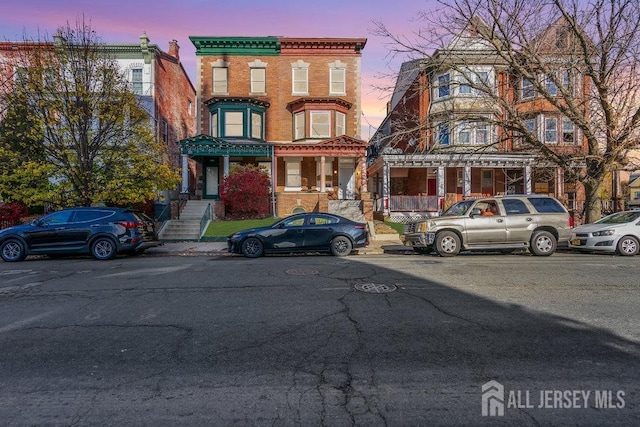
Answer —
174 49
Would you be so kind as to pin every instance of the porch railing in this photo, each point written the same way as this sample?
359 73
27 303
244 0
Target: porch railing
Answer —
414 203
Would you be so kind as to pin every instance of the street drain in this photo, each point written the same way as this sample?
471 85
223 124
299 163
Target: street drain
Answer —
302 271
375 288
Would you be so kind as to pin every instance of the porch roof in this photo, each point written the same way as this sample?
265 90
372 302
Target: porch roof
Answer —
493 160
340 146
206 145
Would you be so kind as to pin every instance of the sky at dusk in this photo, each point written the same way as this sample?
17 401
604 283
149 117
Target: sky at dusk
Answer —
119 21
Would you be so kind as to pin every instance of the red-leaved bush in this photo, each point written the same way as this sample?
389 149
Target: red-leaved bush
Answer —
10 213
245 192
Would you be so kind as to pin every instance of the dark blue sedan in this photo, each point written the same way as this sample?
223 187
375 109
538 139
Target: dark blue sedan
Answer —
304 232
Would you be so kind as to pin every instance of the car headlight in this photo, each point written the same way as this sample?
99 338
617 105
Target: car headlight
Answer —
604 233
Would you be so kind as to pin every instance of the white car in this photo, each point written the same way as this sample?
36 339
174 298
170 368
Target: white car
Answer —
619 232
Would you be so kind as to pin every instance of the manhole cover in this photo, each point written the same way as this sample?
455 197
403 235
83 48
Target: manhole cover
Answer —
302 271
375 288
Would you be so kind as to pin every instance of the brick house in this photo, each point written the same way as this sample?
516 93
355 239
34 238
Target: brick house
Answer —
168 95
440 142
288 105
158 78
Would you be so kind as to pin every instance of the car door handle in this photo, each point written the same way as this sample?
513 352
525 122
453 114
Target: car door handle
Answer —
59 228
529 219
499 220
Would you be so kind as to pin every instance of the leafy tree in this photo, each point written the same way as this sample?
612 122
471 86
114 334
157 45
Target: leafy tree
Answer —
73 133
599 47
245 192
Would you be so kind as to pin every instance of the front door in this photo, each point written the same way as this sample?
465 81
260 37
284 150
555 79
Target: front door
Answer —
346 178
211 182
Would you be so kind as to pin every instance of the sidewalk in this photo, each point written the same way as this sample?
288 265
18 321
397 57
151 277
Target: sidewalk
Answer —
376 247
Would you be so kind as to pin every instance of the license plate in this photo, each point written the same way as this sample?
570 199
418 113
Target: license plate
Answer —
575 242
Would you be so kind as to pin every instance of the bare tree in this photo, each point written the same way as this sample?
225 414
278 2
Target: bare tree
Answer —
581 57
73 132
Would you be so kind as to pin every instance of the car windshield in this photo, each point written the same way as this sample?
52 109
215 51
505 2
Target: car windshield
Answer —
620 218
459 208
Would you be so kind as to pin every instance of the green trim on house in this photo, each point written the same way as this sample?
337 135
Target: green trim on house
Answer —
237 46
205 145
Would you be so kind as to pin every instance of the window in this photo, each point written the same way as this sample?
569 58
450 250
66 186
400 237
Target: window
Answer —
546 205
258 80
136 80
568 131
515 206
233 123
566 80
487 178
341 119
320 124
337 81
256 126
482 82
552 89
482 133
293 180
190 107
464 133
214 124
443 134
220 84
636 194
300 80
473 133
528 91
550 130
443 86
465 87
299 128
165 130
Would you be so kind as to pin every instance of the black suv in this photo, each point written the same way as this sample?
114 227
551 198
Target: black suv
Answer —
100 231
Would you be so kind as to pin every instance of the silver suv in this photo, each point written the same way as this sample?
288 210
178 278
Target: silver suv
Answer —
503 223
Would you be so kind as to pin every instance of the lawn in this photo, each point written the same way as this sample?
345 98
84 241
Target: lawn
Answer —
219 230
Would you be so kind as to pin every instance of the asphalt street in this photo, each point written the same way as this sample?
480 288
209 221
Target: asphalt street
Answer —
397 340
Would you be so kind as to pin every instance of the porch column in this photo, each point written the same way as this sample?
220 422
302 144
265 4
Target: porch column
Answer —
185 174
386 187
363 175
440 181
323 183
559 183
225 166
527 179
466 182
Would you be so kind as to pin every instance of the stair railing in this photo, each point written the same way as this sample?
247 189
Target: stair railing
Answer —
206 217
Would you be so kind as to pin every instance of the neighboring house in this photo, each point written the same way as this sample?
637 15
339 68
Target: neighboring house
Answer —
168 95
161 82
288 105
439 142
634 191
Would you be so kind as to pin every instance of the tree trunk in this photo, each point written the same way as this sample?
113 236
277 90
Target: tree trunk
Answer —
593 203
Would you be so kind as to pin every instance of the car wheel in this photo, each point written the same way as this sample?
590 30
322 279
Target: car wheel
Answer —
423 251
341 246
103 248
12 250
543 243
252 248
627 246
447 243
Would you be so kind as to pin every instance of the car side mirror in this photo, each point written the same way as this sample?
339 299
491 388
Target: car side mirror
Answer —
475 212
37 222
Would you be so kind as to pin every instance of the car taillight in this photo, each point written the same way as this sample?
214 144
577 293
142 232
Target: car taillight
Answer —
361 226
130 224
571 221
